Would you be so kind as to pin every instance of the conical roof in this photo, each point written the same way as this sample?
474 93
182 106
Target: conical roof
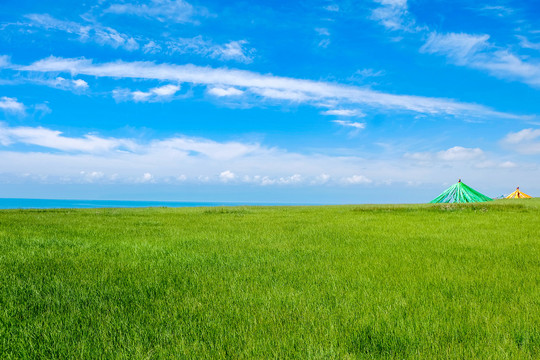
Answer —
460 193
518 195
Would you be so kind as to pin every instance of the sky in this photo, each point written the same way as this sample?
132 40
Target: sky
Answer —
315 102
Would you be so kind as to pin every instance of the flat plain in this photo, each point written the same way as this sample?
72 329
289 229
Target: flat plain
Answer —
321 282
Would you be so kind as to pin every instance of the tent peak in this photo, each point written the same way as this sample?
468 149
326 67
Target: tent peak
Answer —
518 195
460 193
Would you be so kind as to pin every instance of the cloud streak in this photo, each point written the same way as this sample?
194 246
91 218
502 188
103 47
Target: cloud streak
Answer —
233 50
53 139
177 11
236 50
526 141
93 32
264 85
463 49
394 15
477 52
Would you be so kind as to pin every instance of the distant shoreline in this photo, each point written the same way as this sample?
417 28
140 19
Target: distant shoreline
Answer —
18 203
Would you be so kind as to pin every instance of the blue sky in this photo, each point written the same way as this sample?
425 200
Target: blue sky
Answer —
268 101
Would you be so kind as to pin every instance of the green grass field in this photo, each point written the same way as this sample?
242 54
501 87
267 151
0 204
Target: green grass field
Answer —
344 282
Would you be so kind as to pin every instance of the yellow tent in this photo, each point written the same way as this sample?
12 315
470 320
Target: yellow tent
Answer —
518 195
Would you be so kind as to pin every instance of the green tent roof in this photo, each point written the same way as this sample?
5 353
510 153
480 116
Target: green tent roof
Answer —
460 193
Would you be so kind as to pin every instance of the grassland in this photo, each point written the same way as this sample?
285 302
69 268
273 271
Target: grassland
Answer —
344 282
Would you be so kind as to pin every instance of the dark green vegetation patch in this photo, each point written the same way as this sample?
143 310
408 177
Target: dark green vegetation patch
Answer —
400 281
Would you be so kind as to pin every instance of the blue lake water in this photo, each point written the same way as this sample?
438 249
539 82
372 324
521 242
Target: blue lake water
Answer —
81 204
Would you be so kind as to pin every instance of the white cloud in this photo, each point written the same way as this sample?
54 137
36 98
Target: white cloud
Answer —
322 31
459 47
227 176
166 90
269 86
527 44
147 177
278 94
57 158
459 153
497 10
205 148
162 93
321 179
356 179
456 153
355 125
344 112
324 36
92 176
58 82
332 7
236 50
471 50
42 109
324 43
9 104
92 32
233 50
220 92
508 164
4 61
53 139
284 180
66 84
177 11
477 52
364 73
526 141
79 83
394 15
151 47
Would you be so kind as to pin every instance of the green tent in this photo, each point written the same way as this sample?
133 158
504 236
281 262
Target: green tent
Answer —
460 193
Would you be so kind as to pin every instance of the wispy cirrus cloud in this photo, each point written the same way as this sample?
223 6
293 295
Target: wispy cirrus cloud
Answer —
177 11
324 37
464 49
476 51
236 50
344 112
54 139
350 124
456 153
332 8
526 141
496 10
525 43
394 15
233 50
266 86
4 62
99 34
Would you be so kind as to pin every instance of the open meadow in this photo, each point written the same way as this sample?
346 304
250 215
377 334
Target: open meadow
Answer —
344 282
